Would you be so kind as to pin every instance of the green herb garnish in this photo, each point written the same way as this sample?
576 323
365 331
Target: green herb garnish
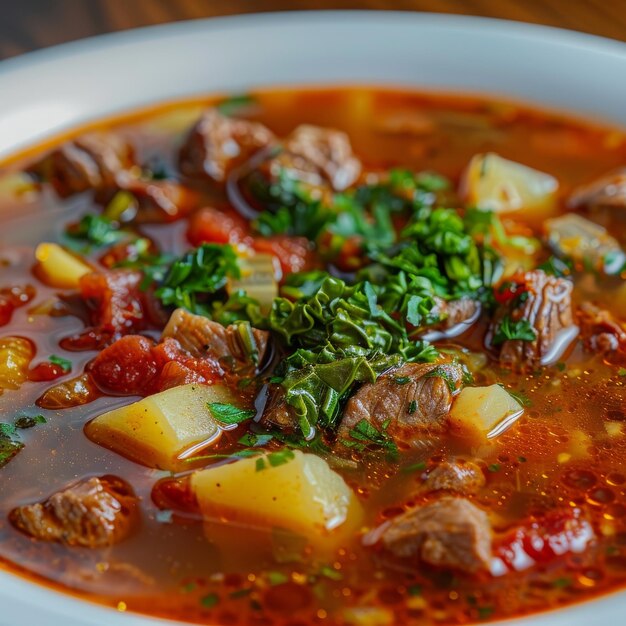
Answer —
64 364
193 279
508 330
230 414
210 600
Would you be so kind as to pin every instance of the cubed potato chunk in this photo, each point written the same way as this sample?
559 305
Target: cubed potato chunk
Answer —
163 430
16 353
293 491
482 413
493 183
58 268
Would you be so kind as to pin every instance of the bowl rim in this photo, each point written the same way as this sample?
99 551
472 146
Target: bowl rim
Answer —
448 20
64 605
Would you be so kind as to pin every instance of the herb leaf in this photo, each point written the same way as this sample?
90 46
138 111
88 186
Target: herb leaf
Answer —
64 364
198 274
229 413
510 330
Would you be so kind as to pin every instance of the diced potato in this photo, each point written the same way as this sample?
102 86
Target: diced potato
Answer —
497 184
16 353
58 268
258 279
301 494
163 430
482 413
574 237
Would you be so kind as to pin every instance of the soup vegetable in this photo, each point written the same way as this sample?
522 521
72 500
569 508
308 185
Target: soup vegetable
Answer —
344 356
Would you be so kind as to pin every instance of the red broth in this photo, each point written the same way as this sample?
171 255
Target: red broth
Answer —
566 452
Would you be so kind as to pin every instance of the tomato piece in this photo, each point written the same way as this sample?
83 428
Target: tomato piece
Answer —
127 366
543 540
211 225
293 253
116 300
46 372
175 374
13 297
6 310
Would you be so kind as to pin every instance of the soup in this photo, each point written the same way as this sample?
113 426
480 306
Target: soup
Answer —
342 356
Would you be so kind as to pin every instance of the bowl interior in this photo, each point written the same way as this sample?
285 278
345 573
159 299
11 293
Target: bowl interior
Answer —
46 92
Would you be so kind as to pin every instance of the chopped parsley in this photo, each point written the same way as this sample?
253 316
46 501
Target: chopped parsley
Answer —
412 407
363 436
277 578
28 421
230 414
331 573
415 467
96 230
494 467
402 380
193 278
210 600
10 444
414 590
508 330
274 459
64 364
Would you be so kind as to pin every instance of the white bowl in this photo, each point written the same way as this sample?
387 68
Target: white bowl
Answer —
48 91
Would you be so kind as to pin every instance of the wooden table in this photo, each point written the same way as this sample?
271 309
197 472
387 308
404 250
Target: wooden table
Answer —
29 24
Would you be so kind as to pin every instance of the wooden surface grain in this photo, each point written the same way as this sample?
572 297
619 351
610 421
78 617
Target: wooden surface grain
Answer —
30 24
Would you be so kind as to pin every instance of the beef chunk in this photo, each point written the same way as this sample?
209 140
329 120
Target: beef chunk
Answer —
200 337
600 330
545 303
318 157
459 476
409 403
451 533
277 413
457 316
217 144
588 244
607 191
94 513
154 201
92 161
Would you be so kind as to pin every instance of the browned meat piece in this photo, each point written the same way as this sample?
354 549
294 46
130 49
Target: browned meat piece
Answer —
545 302
449 533
457 316
93 513
277 413
317 156
600 330
607 191
92 161
152 201
410 403
200 336
460 476
217 144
